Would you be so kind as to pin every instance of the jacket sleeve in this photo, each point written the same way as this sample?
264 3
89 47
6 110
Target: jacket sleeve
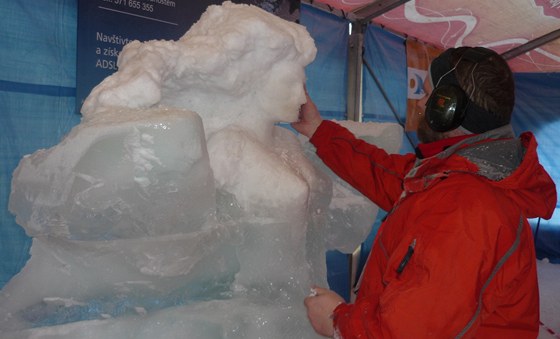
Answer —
368 168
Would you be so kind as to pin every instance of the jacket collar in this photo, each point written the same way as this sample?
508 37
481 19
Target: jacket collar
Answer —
472 151
427 150
504 132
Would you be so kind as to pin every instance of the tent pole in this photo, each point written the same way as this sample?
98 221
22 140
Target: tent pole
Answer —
512 53
375 9
354 81
326 8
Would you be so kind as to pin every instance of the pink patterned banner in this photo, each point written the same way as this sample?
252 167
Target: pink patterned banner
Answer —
550 7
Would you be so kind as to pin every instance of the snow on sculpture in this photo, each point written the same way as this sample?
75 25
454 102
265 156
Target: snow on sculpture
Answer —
177 207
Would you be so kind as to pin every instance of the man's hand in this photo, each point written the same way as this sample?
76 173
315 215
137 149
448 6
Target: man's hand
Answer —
309 118
320 307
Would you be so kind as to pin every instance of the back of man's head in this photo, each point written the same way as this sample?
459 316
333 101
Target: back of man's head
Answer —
486 79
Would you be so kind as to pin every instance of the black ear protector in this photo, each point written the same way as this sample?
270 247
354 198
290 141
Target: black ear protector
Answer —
448 104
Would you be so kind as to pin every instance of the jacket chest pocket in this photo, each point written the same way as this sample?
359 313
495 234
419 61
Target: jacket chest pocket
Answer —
399 260
402 272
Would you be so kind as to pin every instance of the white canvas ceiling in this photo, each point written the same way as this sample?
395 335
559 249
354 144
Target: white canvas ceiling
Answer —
527 31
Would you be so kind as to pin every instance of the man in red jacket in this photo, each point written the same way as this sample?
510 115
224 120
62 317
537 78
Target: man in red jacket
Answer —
455 255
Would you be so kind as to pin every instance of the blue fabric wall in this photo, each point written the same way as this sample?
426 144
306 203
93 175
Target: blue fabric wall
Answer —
537 109
326 75
37 100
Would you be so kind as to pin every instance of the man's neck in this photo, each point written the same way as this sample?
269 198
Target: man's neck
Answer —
426 150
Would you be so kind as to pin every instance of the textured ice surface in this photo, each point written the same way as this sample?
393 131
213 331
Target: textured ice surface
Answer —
177 208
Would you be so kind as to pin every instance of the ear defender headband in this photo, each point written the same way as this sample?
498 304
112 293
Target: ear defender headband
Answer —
449 107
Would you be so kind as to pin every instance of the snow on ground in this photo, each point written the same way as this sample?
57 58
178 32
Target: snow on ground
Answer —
549 285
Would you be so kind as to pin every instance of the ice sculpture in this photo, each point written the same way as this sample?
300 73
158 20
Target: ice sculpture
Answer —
177 208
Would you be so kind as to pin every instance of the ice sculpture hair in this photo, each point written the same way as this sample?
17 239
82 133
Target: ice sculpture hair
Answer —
233 57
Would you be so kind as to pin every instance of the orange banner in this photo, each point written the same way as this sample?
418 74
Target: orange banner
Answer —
419 56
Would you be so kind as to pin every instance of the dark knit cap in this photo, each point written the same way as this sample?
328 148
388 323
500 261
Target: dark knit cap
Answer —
442 72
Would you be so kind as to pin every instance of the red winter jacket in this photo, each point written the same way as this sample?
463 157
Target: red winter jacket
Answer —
455 255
